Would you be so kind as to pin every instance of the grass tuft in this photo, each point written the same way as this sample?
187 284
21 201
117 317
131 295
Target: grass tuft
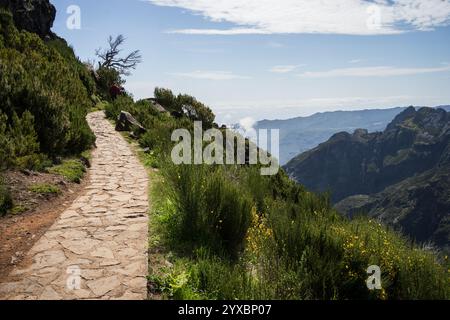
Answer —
44 189
72 170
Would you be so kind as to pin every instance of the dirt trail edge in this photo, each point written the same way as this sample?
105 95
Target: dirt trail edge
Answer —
97 249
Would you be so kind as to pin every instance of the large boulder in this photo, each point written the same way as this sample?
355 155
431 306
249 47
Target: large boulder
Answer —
126 122
35 16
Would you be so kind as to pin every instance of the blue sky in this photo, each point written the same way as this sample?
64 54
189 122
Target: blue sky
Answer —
277 58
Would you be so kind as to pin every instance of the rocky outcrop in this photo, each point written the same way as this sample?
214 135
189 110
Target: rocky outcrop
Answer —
367 163
35 16
126 122
301 134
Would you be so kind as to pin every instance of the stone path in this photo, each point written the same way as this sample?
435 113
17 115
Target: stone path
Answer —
97 249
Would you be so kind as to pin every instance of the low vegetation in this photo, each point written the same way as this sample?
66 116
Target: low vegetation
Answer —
18 209
45 189
234 234
73 170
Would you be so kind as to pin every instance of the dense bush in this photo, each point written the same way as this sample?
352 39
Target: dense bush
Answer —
44 84
294 251
167 99
5 198
215 212
19 146
84 71
106 77
122 103
5 152
185 104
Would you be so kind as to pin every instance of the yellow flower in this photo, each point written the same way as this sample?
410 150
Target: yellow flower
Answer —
383 295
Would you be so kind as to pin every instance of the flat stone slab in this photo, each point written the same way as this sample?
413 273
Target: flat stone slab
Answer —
97 249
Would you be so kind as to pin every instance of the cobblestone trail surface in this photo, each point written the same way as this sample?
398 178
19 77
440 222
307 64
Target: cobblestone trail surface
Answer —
97 249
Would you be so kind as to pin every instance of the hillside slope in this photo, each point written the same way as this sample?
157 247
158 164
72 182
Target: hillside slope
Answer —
46 90
264 237
418 206
366 163
400 175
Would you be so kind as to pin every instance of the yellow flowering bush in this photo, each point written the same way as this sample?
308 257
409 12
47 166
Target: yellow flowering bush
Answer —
258 235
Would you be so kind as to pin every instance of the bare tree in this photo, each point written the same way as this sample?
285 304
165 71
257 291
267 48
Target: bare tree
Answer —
110 57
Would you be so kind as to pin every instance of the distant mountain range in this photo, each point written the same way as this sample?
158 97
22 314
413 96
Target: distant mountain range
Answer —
400 175
304 133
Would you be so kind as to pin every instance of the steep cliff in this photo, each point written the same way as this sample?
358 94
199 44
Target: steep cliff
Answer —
35 16
418 206
400 176
363 163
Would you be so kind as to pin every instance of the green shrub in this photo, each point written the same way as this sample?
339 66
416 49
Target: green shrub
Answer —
46 82
25 147
5 143
72 170
329 255
122 103
167 99
151 160
84 71
19 144
214 212
44 189
185 104
219 279
18 209
195 110
228 211
5 198
174 284
106 78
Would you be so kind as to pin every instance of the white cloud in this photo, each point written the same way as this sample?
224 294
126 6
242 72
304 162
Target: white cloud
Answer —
247 123
285 68
371 72
284 109
318 102
355 17
354 61
209 75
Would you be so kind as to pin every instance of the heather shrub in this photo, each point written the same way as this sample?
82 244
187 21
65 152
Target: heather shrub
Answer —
106 78
46 83
212 210
5 198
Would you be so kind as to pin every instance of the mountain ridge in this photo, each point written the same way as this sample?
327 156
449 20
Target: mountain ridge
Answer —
399 176
301 134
